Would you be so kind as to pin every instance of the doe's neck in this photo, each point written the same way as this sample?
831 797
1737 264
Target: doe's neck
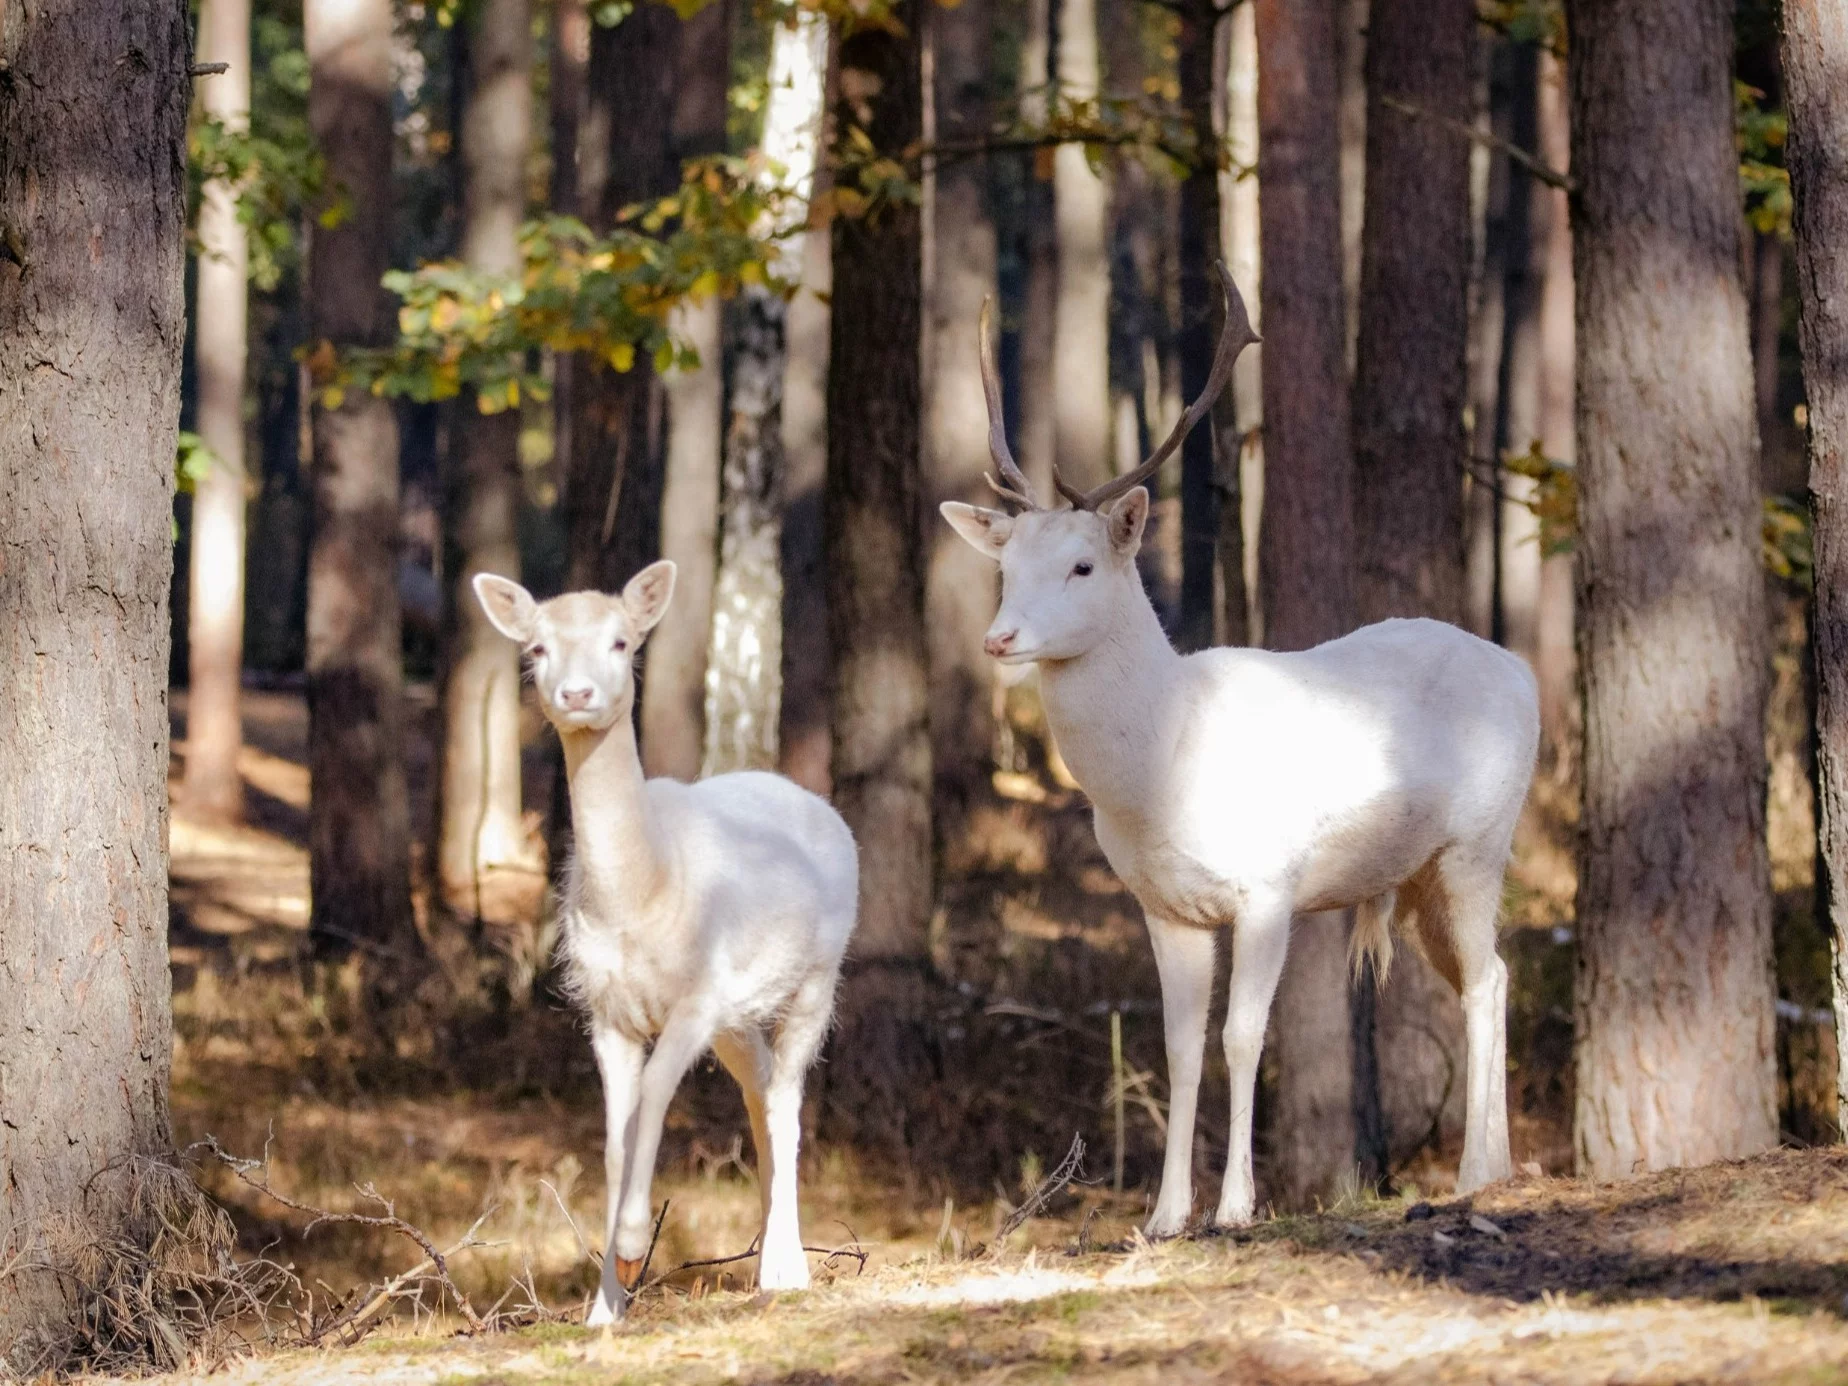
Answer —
617 856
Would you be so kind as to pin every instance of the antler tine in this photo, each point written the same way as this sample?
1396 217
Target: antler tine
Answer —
1233 340
1013 484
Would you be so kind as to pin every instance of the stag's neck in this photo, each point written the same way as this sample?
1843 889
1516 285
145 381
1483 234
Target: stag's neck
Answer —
618 860
1109 707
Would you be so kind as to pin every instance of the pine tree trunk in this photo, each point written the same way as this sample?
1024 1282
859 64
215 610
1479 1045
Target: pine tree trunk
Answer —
212 788
959 586
1080 381
92 324
1815 53
359 819
1243 463
1201 313
1306 546
805 736
1038 425
480 832
568 51
873 535
674 695
1410 385
1555 665
1516 595
1674 996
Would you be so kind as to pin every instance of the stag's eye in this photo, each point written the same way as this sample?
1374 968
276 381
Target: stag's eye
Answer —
1082 570
619 646
536 652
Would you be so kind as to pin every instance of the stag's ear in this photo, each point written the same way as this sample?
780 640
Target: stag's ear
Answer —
986 530
1126 520
648 593
510 607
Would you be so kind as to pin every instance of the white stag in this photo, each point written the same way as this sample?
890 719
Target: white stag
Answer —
1383 770
694 916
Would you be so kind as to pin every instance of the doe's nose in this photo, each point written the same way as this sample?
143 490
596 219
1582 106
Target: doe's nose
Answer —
575 697
998 645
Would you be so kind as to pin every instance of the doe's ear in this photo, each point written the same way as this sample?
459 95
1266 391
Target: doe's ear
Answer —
1126 521
987 531
510 607
647 594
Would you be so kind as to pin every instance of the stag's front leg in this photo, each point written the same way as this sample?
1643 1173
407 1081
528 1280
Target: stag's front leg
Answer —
1184 958
1260 939
682 1040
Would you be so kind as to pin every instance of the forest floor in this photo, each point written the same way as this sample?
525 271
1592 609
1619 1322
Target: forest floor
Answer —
1730 1273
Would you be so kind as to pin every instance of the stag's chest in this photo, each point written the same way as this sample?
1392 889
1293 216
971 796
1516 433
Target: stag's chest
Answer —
623 972
1170 879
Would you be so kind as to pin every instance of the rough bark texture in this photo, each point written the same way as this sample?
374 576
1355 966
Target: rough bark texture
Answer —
480 834
1554 661
359 819
1306 546
1243 464
872 519
92 198
1674 1017
1815 53
674 697
744 671
1410 386
1080 380
1039 310
212 788
1202 311
960 585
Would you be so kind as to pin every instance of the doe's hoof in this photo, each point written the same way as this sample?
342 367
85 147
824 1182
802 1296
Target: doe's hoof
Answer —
628 1273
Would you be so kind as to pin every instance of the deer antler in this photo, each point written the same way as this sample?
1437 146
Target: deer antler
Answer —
1013 485
1233 340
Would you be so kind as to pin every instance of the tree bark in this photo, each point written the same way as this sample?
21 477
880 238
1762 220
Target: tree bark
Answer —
960 584
568 53
1516 592
1674 1016
480 832
212 788
92 325
744 670
1242 461
359 818
873 535
1306 546
1554 663
1411 382
1815 60
1038 425
1080 380
674 695
1202 311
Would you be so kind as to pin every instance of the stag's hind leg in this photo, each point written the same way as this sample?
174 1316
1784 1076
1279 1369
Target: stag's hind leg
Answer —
1467 900
782 1264
746 1056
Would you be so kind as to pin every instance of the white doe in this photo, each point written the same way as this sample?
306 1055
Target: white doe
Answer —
695 916
1383 770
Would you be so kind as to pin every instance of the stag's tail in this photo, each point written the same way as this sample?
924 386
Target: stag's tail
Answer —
1371 940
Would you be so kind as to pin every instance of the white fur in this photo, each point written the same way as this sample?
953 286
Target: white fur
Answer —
1385 769
711 915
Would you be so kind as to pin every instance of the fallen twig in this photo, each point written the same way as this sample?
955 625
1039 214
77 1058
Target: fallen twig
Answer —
1035 1202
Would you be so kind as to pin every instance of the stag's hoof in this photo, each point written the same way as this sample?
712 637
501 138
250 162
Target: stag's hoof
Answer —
603 1314
628 1273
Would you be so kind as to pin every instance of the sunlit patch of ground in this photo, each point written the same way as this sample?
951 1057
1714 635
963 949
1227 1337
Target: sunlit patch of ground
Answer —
1732 1273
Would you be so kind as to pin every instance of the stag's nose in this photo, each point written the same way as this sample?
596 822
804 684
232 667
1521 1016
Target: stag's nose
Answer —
998 645
575 697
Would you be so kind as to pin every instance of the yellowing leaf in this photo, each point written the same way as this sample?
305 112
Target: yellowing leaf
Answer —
622 356
705 286
332 398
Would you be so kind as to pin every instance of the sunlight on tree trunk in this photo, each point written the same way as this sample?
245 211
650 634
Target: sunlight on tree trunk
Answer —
1674 1020
674 693
744 669
1554 661
1238 545
1410 385
480 832
568 52
960 583
1039 312
1080 380
92 326
1815 55
359 818
1306 547
212 788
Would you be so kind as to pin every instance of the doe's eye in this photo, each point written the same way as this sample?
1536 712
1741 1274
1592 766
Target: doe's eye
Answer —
536 652
620 646
1082 570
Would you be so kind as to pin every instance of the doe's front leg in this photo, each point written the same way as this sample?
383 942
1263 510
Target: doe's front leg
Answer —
1260 941
1184 959
682 1040
619 1060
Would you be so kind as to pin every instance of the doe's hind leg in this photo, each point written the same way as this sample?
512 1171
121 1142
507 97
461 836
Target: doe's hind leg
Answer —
746 1056
1472 888
782 1264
